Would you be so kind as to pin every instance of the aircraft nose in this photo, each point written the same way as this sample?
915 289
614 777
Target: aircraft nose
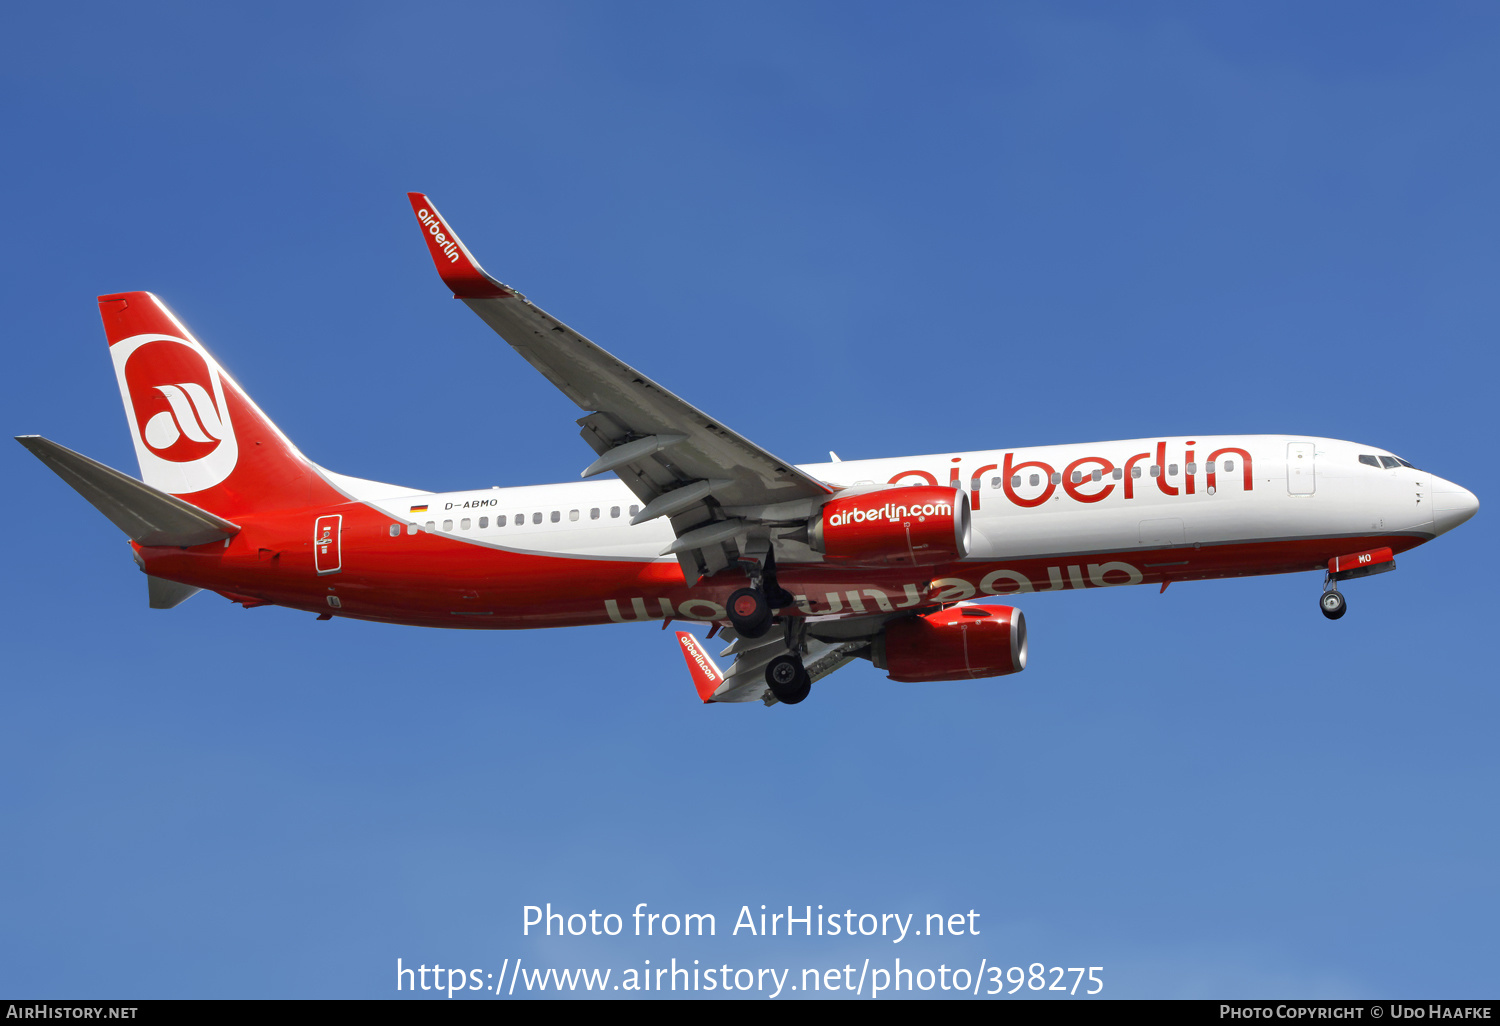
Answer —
1451 505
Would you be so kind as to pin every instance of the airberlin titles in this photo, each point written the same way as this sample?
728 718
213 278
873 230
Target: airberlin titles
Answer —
890 511
1094 478
918 525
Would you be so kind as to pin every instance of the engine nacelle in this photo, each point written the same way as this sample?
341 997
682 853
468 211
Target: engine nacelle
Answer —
914 526
958 643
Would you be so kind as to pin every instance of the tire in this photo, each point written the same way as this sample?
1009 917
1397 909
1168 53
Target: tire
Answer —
1333 605
749 613
788 679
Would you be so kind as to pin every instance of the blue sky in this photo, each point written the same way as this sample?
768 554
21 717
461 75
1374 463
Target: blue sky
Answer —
872 228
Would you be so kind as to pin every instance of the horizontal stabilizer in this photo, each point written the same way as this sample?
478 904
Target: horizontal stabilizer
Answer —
147 516
167 594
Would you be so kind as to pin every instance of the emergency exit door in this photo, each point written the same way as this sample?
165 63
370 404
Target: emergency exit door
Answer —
1301 476
326 532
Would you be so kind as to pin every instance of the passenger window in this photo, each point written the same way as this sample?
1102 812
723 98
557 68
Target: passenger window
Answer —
1172 469
500 520
1117 473
614 511
1057 478
594 513
1036 479
1015 482
1229 466
484 522
1135 472
1192 468
1209 466
447 525
1390 462
1097 475
634 510
1077 476
556 516
431 526
395 530
536 518
411 528
572 514
994 482
1369 461
465 524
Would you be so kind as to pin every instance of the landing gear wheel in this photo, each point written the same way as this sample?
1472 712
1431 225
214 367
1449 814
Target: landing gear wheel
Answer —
788 679
1333 605
749 613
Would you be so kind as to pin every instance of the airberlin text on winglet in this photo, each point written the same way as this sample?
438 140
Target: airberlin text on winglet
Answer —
445 242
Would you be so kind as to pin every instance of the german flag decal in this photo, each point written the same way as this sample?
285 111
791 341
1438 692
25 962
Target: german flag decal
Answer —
419 509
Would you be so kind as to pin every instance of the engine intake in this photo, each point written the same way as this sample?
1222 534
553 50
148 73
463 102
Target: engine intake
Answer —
913 526
958 643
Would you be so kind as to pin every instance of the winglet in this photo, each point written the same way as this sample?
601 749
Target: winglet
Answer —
455 265
706 674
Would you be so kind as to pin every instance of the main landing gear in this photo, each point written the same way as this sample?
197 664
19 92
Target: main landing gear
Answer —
751 610
1332 601
788 679
751 613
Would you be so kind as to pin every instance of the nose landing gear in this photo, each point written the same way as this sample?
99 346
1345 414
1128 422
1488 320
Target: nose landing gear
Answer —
1332 601
1348 568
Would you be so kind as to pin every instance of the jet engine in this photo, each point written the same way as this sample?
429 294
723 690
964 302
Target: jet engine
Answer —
922 525
958 643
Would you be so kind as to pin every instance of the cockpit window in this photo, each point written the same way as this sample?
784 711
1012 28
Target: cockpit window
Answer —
1390 462
1404 463
1369 461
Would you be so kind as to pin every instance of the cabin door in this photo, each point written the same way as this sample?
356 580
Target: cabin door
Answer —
1301 476
326 555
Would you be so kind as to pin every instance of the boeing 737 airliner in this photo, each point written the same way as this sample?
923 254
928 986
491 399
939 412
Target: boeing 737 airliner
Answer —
802 568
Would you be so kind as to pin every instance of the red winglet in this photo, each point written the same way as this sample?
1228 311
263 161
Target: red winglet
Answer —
455 265
706 674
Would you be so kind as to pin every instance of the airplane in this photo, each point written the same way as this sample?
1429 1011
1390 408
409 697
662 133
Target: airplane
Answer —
678 518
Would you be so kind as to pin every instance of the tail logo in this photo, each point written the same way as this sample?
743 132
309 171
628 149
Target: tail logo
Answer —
174 397
193 414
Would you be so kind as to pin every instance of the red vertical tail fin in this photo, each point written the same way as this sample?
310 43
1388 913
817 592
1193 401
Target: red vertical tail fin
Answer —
197 434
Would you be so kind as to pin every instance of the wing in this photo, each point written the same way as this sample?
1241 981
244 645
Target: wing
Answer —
718 488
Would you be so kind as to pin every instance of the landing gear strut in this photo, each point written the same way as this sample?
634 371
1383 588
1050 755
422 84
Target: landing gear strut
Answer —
1332 601
788 679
